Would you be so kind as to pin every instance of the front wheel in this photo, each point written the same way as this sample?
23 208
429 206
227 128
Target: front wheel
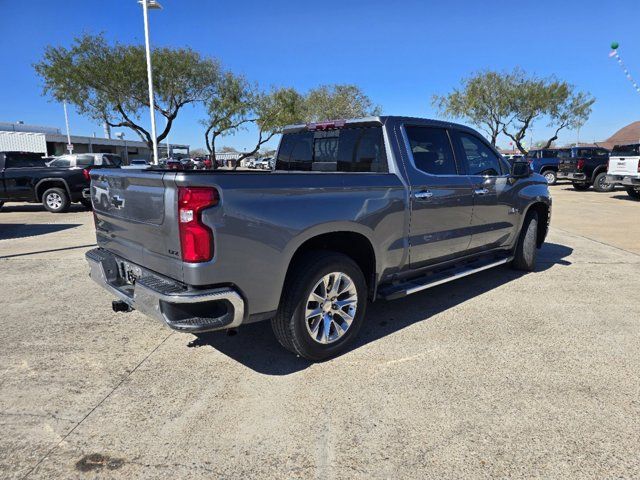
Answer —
322 307
550 176
56 200
581 187
600 183
524 257
633 193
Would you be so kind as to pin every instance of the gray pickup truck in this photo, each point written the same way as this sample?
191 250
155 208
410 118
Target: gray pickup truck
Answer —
355 210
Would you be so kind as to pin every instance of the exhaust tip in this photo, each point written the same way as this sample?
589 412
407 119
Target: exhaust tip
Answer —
120 306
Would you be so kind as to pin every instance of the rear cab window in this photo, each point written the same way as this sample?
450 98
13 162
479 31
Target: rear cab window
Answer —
348 149
626 151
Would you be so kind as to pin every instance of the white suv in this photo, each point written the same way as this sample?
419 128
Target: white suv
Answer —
624 168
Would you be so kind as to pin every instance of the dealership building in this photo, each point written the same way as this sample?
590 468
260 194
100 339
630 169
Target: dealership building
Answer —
50 141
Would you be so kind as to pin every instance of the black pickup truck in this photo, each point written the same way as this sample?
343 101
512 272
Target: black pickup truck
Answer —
585 167
25 177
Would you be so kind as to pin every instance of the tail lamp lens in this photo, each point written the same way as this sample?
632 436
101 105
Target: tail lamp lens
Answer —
196 239
86 174
580 164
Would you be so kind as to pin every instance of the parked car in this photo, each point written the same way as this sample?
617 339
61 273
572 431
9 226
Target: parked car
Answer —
26 178
136 163
624 168
586 166
173 164
263 163
250 163
309 248
545 161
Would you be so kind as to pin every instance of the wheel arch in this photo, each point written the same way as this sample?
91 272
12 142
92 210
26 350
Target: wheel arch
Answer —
598 170
356 245
53 182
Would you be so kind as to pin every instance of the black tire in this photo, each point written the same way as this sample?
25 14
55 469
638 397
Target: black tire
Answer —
526 251
86 203
55 200
551 176
599 184
1 205
289 324
581 187
633 192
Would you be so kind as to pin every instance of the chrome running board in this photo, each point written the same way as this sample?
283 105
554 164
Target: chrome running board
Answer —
415 285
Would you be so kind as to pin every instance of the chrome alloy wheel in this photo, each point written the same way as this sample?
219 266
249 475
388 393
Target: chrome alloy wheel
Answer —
550 177
331 307
54 201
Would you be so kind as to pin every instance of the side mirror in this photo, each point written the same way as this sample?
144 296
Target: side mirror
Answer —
520 169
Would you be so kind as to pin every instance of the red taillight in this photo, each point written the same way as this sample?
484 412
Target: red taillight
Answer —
580 164
196 238
86 174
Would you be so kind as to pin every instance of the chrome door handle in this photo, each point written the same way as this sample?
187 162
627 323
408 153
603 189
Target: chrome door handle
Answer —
423 195
481 191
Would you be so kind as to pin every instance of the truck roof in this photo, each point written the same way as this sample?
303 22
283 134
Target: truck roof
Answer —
373 120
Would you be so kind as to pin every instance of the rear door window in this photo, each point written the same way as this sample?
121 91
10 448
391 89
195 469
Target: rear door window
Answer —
85 160
431 150
60 162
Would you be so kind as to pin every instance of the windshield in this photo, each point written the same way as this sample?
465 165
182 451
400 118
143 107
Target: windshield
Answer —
625 150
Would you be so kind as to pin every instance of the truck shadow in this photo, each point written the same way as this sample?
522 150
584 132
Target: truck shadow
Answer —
255 346
21 230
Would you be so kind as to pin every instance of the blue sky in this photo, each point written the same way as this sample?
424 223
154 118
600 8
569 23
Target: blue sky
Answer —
400 53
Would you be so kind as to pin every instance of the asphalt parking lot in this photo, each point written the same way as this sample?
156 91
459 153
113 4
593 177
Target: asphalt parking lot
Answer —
497 375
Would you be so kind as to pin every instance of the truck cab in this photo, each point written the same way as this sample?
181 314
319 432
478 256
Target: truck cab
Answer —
586 166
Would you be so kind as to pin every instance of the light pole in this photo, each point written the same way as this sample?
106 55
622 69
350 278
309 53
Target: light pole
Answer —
120 135
153 5
66 122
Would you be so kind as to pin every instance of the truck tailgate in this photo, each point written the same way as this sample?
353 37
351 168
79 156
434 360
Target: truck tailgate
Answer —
623 165
135 217
567 165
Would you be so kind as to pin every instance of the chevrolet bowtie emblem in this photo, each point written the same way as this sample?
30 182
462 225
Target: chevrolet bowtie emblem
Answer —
117 202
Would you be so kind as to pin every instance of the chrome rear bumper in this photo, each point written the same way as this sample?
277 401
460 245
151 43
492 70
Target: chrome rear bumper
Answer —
181 308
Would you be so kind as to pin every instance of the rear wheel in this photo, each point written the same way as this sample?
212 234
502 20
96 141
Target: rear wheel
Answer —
524 257
322 307
550 176
1 205
633 193
600 183
55 200
581 186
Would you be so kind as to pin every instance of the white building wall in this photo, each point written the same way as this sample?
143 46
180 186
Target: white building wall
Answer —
23 142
